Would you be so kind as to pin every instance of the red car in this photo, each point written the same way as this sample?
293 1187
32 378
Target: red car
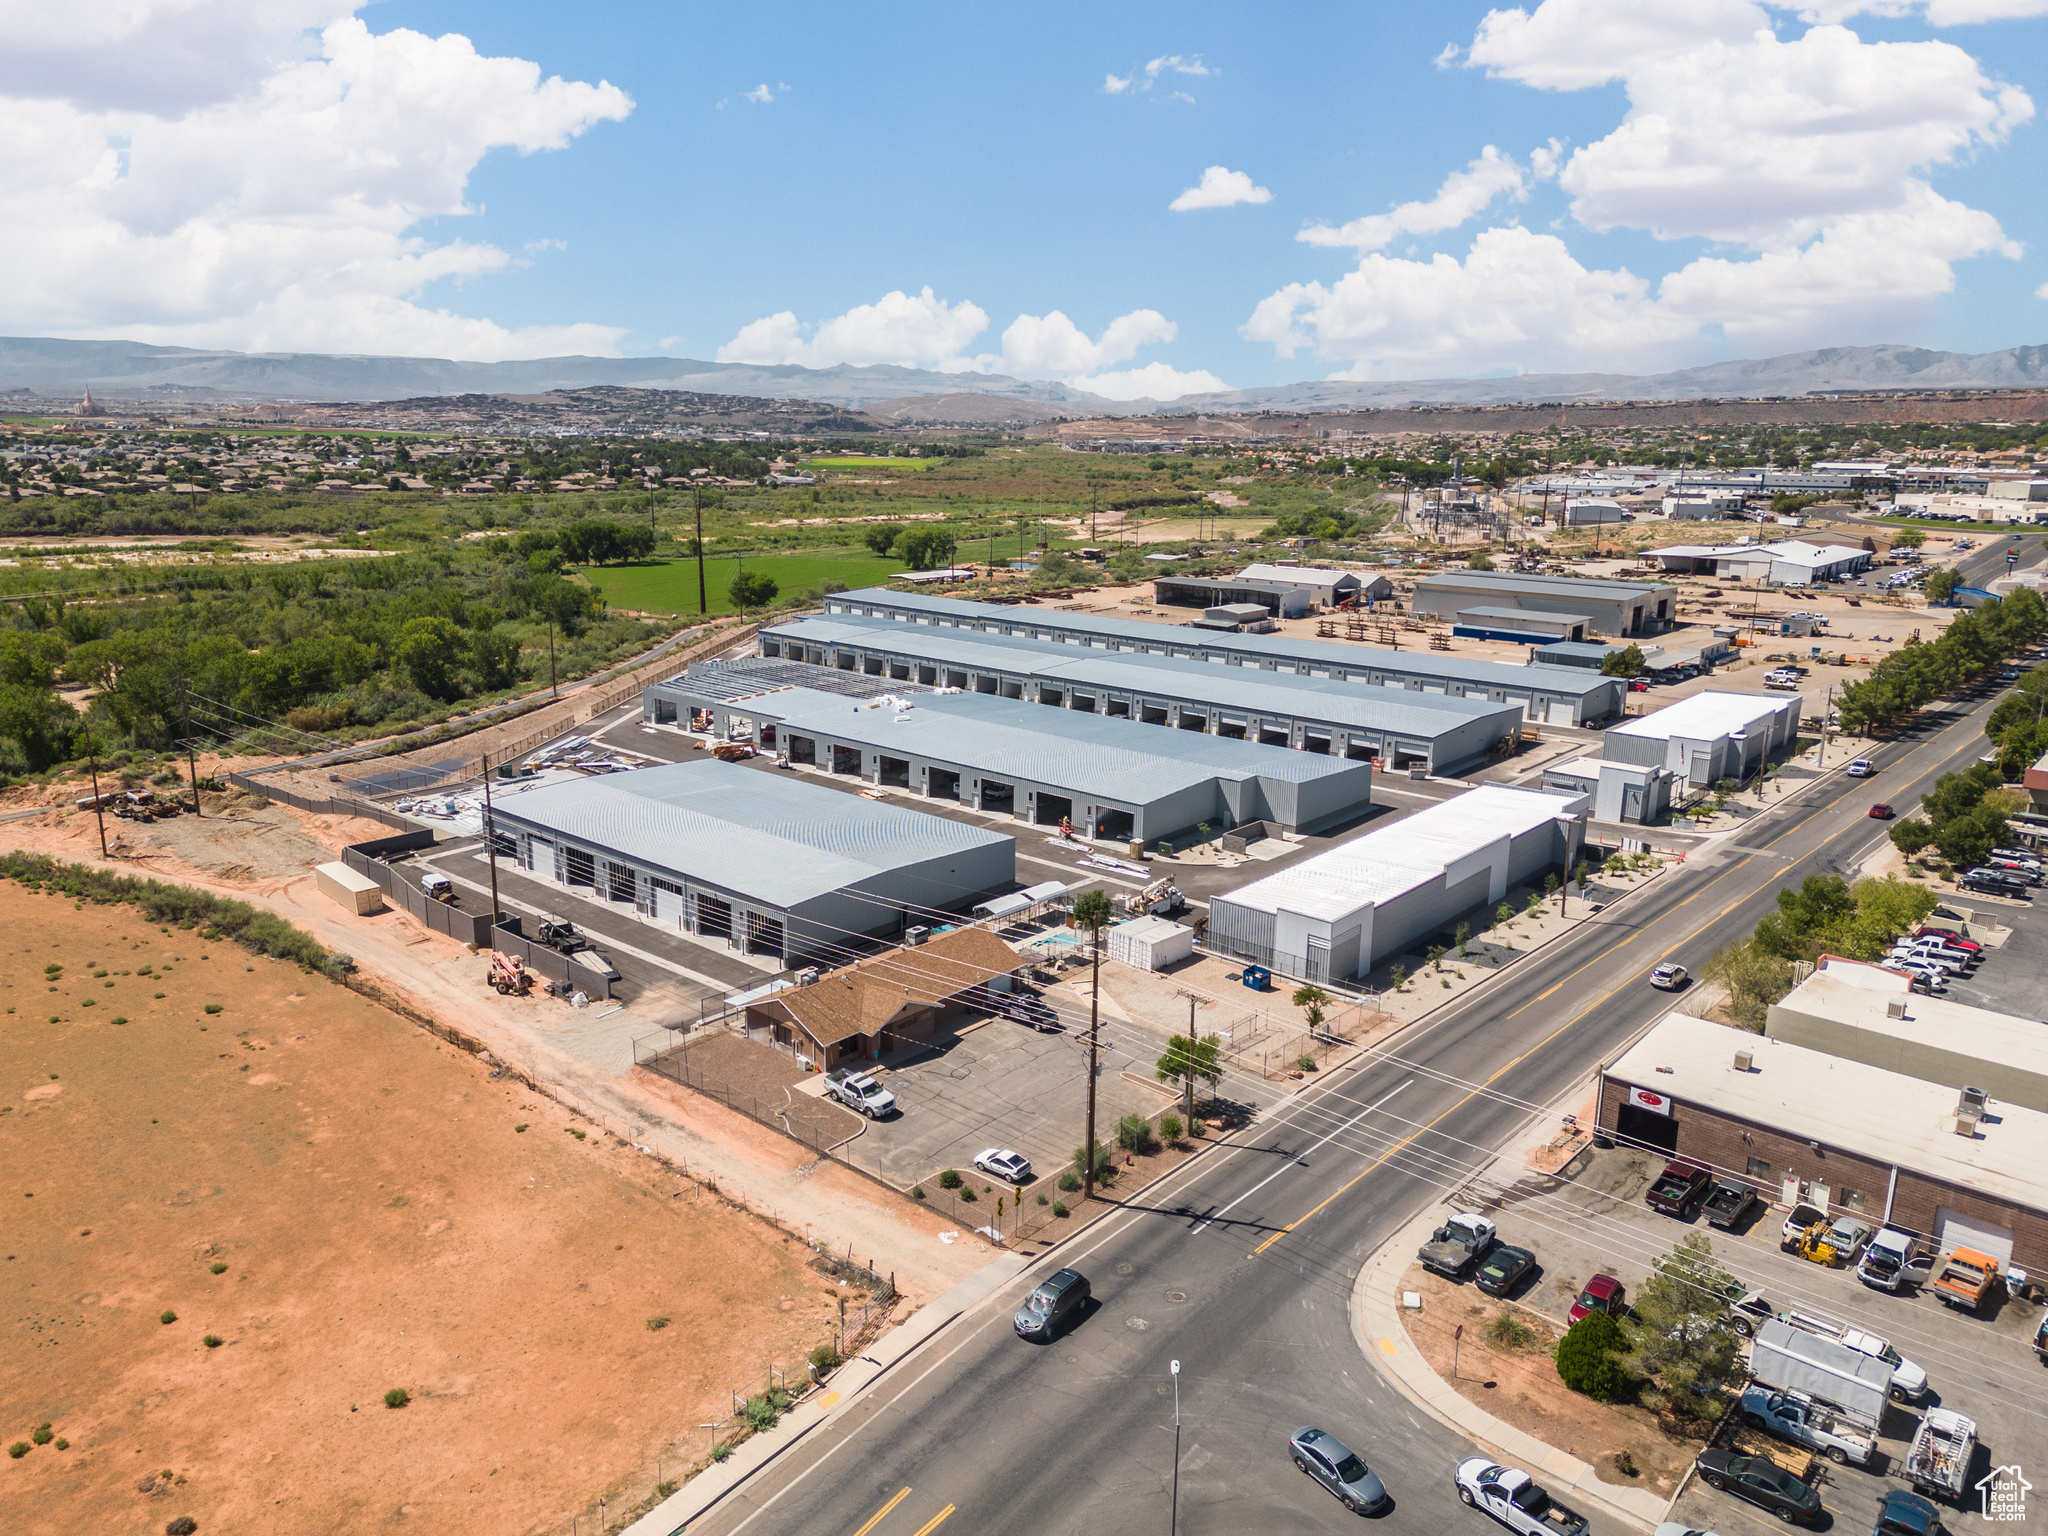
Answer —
1637 685
1603 1293
1953 941
1880 812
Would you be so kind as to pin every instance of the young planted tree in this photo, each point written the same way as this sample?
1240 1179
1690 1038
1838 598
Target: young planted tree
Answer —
1310 1000
1189 1060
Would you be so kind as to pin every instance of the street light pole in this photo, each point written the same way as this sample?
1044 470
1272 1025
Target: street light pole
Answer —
1173 1528
703 608
491 843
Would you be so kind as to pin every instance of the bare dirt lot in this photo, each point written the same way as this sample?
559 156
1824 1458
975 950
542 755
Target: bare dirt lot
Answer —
227 1235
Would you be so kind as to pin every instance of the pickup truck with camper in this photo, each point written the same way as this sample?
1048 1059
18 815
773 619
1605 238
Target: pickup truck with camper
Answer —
1680 1189
1853 1384
1938 1460
858 1091
1729 1203
1967 1280
1893 1261
1807 1421
1457 1245
1514 1498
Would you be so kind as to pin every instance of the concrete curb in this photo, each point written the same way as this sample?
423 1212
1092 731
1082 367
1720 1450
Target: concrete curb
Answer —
1376 1326
704 1491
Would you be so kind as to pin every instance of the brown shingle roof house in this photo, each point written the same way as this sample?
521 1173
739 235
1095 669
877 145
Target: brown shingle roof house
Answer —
879 1004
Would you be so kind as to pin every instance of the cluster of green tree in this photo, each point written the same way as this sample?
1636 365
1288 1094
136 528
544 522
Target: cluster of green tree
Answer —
1963 816
590 541
2018 727
922 549
1139 503
1825 916
1919 673
1626 662
327 647
1675 1346
1329 522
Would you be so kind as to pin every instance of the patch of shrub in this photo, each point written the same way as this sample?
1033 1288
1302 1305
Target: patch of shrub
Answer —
18 1450
1586 1357
1306 1063
1170 1127
573 1131
1059 1207
397 1397
1509 1331
43 1434
763 1411
950 1179
213 1007
1041 1199
826 1358
720 1451
63 1444
120 1018
213 1341
917 1191
1134 1133
217 1269
1070 1181
184 1525
167 1317
656 1324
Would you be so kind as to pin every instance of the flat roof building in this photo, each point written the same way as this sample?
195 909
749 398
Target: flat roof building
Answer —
1268 585
1790 563
1609 607
1709 737
1288 709
1336 916
1113 779
1850 1138
1931 1038
1549 695
1523 626
761 862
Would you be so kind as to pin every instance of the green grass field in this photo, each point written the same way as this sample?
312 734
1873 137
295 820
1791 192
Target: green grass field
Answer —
871 463
670 586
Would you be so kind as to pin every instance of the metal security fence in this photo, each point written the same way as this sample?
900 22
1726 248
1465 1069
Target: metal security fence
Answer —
660 1055
368 859
324 805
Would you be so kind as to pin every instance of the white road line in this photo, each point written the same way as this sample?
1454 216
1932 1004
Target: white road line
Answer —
1269 1178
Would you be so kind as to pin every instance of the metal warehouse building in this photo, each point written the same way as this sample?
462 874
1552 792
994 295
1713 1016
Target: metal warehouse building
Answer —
767 864
1312 714
1852 1139
1110 778
1549 695
1710 736
1607 607
1274 587
1339 914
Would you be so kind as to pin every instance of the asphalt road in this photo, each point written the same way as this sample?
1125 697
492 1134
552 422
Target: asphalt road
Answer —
1242 1265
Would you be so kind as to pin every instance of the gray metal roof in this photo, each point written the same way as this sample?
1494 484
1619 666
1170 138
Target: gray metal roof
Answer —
1567 682
1509 582
762 835
1123 759
1540 615
1238 690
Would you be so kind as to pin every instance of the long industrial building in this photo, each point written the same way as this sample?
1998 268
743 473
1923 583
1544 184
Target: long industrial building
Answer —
1709 737
1339 914
1623 608
1312 714
1110 778
1545 694
764 863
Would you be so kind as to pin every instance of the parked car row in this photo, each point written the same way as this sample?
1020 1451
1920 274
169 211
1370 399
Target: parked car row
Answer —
1933 957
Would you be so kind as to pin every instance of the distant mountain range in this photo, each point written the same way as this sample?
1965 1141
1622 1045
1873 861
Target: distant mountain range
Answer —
129 369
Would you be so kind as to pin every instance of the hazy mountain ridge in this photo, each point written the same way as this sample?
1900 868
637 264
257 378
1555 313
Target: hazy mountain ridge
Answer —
53 366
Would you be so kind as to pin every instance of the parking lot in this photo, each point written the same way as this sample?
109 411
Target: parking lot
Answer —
996 1083
1592 1220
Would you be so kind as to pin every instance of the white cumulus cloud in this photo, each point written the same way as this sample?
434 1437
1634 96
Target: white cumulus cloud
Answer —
269 201
921 330
1147 75
1799 162
1464 195
1220 187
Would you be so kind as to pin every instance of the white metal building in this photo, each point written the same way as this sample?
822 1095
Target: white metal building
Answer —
1272 586
1792 563
1710 736
760 861
1338 915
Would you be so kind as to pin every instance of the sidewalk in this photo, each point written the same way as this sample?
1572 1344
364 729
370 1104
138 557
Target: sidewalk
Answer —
704 1491
1376 1325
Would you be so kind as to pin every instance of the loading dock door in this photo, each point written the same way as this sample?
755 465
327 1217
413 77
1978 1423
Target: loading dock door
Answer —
714 917
1560 713
1642 1127
764 935
998 797
582 867
1953 1229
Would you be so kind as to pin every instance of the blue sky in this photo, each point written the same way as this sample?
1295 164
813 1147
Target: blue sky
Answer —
1861 172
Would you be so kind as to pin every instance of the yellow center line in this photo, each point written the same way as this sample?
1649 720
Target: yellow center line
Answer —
876 1518
935 1522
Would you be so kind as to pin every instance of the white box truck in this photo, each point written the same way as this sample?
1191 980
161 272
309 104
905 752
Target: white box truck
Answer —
1832 1396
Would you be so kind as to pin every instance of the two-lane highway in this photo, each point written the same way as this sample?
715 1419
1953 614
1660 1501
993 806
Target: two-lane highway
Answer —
1241 1265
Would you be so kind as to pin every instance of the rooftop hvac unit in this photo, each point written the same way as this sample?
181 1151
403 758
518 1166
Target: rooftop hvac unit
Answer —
915 936
1972 1102
807 976
1745 1061
1895 1008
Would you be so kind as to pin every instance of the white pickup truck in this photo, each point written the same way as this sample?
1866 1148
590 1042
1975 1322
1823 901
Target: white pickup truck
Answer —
1514 1498
1808 1421
856 1090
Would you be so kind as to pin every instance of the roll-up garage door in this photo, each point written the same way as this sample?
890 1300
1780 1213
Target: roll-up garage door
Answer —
1560 714
1952 1229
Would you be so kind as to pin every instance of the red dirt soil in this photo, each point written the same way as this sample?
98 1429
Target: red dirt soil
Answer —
383 1224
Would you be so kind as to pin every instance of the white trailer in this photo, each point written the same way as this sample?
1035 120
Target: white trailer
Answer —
1938 1460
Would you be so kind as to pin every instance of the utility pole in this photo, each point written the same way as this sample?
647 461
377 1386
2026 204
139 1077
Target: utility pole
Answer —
1189 1087
1173 1527
191 764
491 841
551 660
93 757
703 608
1094 1019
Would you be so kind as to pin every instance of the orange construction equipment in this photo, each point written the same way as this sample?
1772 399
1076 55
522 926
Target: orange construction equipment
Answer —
509 975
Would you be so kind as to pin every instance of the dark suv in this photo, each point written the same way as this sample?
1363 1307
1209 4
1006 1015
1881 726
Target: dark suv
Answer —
1057 1299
